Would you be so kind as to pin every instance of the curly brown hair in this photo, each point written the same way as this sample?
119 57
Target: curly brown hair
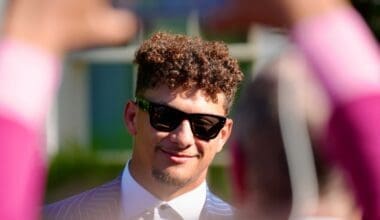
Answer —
183 62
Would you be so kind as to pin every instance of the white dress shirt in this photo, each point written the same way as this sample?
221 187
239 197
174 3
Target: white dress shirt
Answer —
138 203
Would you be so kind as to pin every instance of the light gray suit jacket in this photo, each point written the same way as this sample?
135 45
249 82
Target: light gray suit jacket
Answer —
103 203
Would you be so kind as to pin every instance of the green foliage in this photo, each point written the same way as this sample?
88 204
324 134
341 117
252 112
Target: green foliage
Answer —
219 181
370 11
77 169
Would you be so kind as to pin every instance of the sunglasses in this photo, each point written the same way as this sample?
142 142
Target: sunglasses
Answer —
165 118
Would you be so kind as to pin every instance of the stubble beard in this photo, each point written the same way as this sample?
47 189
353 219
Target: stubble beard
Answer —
167 179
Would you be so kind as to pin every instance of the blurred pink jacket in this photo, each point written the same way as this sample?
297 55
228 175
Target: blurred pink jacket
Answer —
28 83
346 59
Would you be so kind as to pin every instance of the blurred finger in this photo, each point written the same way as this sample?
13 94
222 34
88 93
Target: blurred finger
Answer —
115 27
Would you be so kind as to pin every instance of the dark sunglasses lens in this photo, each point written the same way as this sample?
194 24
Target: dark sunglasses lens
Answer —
164 118
206 126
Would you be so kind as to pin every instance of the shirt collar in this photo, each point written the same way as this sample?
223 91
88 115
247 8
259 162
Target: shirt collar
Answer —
190 204
137 200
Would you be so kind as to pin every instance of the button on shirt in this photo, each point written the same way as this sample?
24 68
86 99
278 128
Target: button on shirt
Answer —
138 203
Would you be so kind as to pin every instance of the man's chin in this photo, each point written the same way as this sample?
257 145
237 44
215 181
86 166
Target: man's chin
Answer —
168 178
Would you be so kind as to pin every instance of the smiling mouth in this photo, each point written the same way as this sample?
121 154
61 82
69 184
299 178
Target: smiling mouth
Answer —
177 157
176 154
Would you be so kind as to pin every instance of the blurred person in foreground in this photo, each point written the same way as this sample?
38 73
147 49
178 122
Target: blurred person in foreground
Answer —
345 59
35 37
265 187
179 121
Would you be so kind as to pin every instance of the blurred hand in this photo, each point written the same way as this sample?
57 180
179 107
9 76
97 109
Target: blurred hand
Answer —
279 13
62 25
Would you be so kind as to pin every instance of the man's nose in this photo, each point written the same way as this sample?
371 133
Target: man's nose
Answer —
183 135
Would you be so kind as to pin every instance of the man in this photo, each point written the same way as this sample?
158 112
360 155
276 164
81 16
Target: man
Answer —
184 92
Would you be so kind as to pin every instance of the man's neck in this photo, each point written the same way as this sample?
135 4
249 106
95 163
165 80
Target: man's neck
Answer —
161 190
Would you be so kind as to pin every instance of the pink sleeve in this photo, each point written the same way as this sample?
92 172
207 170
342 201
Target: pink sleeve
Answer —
28 82
22 170
29 78
343 53
354 143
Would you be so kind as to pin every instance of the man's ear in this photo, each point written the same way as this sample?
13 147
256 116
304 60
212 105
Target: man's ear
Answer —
130 114
225 134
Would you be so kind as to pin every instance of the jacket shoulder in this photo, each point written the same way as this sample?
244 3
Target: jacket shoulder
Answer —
216 208
97 203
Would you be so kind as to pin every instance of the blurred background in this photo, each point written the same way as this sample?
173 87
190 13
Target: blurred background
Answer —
87 142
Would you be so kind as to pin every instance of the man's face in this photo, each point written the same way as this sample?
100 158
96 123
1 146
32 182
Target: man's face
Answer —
175 158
